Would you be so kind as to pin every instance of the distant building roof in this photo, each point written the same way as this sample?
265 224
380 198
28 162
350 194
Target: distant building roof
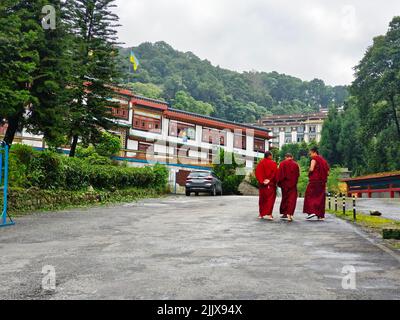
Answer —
374 176
294 117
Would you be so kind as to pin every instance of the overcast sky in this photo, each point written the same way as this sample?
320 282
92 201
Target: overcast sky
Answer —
309 38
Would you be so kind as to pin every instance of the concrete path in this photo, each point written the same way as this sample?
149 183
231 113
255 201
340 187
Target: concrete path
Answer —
191 248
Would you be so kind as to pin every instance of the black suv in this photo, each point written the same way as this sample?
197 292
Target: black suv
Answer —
200 181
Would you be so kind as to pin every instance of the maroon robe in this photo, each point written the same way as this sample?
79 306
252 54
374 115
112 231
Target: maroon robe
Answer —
267 169
314 200
289 173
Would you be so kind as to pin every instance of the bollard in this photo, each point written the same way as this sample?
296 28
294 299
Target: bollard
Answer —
344 204
354 209
336 203
329 200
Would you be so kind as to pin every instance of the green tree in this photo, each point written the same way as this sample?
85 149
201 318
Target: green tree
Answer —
51 78
349 145
184 101
148 90
330 137
227 172
377 83
93 26
108 145
17 63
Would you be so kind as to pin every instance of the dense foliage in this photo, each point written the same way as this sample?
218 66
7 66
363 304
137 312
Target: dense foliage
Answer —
51 171
366 136
228 170
241 97
57 81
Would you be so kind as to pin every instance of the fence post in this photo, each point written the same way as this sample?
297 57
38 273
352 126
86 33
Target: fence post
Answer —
336 203
354 209
329 200
344 204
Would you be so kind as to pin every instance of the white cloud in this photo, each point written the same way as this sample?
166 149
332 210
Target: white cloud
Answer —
308 39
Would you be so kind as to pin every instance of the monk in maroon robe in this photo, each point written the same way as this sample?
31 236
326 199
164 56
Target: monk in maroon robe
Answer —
314 201
288 177
266 174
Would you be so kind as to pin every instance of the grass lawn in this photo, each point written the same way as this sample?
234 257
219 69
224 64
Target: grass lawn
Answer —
371 223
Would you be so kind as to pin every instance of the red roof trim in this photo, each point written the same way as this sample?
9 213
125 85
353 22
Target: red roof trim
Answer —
374 176
147 103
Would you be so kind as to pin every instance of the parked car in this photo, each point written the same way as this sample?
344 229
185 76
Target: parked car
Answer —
200 181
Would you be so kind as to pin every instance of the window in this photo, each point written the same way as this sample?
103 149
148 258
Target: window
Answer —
144 146
147 122
300 138
121 112
259 145
239 141
214 136
182 130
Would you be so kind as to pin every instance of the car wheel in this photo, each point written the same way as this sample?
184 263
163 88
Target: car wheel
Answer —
187 193
196 194
214 191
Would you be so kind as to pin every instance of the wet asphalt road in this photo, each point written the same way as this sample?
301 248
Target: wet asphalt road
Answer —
390 208
191 248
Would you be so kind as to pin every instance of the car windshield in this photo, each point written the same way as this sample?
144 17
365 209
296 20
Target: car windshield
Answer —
199 174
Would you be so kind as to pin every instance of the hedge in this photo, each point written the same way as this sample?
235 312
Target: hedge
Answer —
51 171
33 199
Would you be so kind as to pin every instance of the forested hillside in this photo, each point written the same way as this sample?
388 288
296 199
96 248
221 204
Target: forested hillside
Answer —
196 85
366 136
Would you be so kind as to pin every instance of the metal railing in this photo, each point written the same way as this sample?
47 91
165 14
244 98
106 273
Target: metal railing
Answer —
4 153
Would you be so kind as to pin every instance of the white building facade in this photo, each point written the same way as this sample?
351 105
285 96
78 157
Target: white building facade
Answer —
288 129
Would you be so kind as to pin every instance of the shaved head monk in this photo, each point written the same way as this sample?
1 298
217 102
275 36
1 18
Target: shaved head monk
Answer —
314 201
288 176
266 174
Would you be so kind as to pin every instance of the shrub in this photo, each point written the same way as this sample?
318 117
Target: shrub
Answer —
253 180
20 158
91 156
23 153
51 171
108 145
228 173
46 171
76 174
85 152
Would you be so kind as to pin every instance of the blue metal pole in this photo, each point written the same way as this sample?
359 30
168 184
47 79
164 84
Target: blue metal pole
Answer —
1 166
5 191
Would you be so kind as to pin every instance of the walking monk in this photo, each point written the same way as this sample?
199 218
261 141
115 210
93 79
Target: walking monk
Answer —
266 174
314 201
289 173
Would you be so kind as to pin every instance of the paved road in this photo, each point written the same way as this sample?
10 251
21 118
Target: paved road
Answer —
197 248
390 208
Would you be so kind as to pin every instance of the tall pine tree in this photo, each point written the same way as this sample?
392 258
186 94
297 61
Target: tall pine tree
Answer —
330 137
18 61
33 69
93 26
